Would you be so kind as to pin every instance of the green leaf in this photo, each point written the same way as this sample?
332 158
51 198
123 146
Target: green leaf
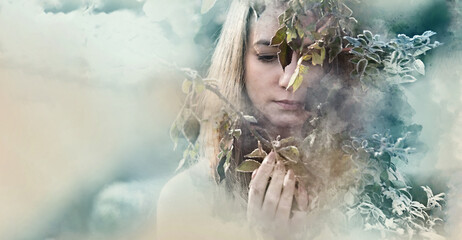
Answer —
290 153
199 85
191 128
256 154
297 77
207 5
384 176
335 47
398 184
186 86
250 119
419 66
279 37
283 54
374 56
291 34
248 166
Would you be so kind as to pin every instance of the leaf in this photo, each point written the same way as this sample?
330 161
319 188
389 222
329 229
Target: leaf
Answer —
419 66
279 37
284 54
421 51
248 166
374 56
384 176
199 85
250 119
207 5
297 77
335 47
237 133
368 35
398 184
291 34
361 66
408 79
191 128
318 58
290 153
257 153
286 141
186 86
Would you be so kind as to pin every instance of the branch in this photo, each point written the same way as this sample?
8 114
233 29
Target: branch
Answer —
247 124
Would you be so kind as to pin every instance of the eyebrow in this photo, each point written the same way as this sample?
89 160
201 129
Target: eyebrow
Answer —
268 43
263 42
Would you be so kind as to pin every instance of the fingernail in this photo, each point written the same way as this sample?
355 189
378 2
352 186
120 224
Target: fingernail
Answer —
280 165
291 174
271 158
254 173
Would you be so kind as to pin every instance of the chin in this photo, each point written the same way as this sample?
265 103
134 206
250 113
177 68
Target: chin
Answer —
287 122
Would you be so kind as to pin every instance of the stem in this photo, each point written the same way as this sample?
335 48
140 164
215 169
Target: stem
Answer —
252 130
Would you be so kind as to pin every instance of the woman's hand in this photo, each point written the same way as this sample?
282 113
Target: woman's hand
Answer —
270 201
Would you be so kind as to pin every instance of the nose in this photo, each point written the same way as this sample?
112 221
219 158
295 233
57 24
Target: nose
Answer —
284 79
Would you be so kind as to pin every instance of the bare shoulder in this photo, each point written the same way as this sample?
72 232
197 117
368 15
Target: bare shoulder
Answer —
184 202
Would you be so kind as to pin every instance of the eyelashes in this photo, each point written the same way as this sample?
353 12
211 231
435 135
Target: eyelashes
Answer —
267 58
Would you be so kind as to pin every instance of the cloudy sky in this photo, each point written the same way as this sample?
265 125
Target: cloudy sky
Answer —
87 92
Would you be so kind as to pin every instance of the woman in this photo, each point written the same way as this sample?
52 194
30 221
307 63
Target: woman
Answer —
278 202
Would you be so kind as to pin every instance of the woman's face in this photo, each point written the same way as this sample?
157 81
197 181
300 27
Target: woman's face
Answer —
266 81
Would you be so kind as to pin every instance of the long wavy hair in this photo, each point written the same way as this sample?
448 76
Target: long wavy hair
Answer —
228 68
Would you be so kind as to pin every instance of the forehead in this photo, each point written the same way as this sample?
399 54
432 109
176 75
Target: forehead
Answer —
266 25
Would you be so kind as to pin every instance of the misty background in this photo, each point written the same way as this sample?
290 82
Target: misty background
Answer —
88 90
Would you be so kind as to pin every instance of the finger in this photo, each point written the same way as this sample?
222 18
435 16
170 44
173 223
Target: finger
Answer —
298 220
301 197
273 193
254 173
258 184
287 196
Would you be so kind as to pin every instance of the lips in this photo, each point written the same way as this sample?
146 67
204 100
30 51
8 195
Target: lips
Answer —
289 104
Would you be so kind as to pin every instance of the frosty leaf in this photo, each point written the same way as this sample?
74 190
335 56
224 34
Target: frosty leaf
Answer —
250 119
290 153
248 166
207 5
257 153
335 47
419 66
408 79
421 51
398 184
361 66
237 133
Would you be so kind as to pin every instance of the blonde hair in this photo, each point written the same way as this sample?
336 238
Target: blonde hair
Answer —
227 68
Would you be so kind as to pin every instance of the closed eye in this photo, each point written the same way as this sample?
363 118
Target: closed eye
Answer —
267 57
